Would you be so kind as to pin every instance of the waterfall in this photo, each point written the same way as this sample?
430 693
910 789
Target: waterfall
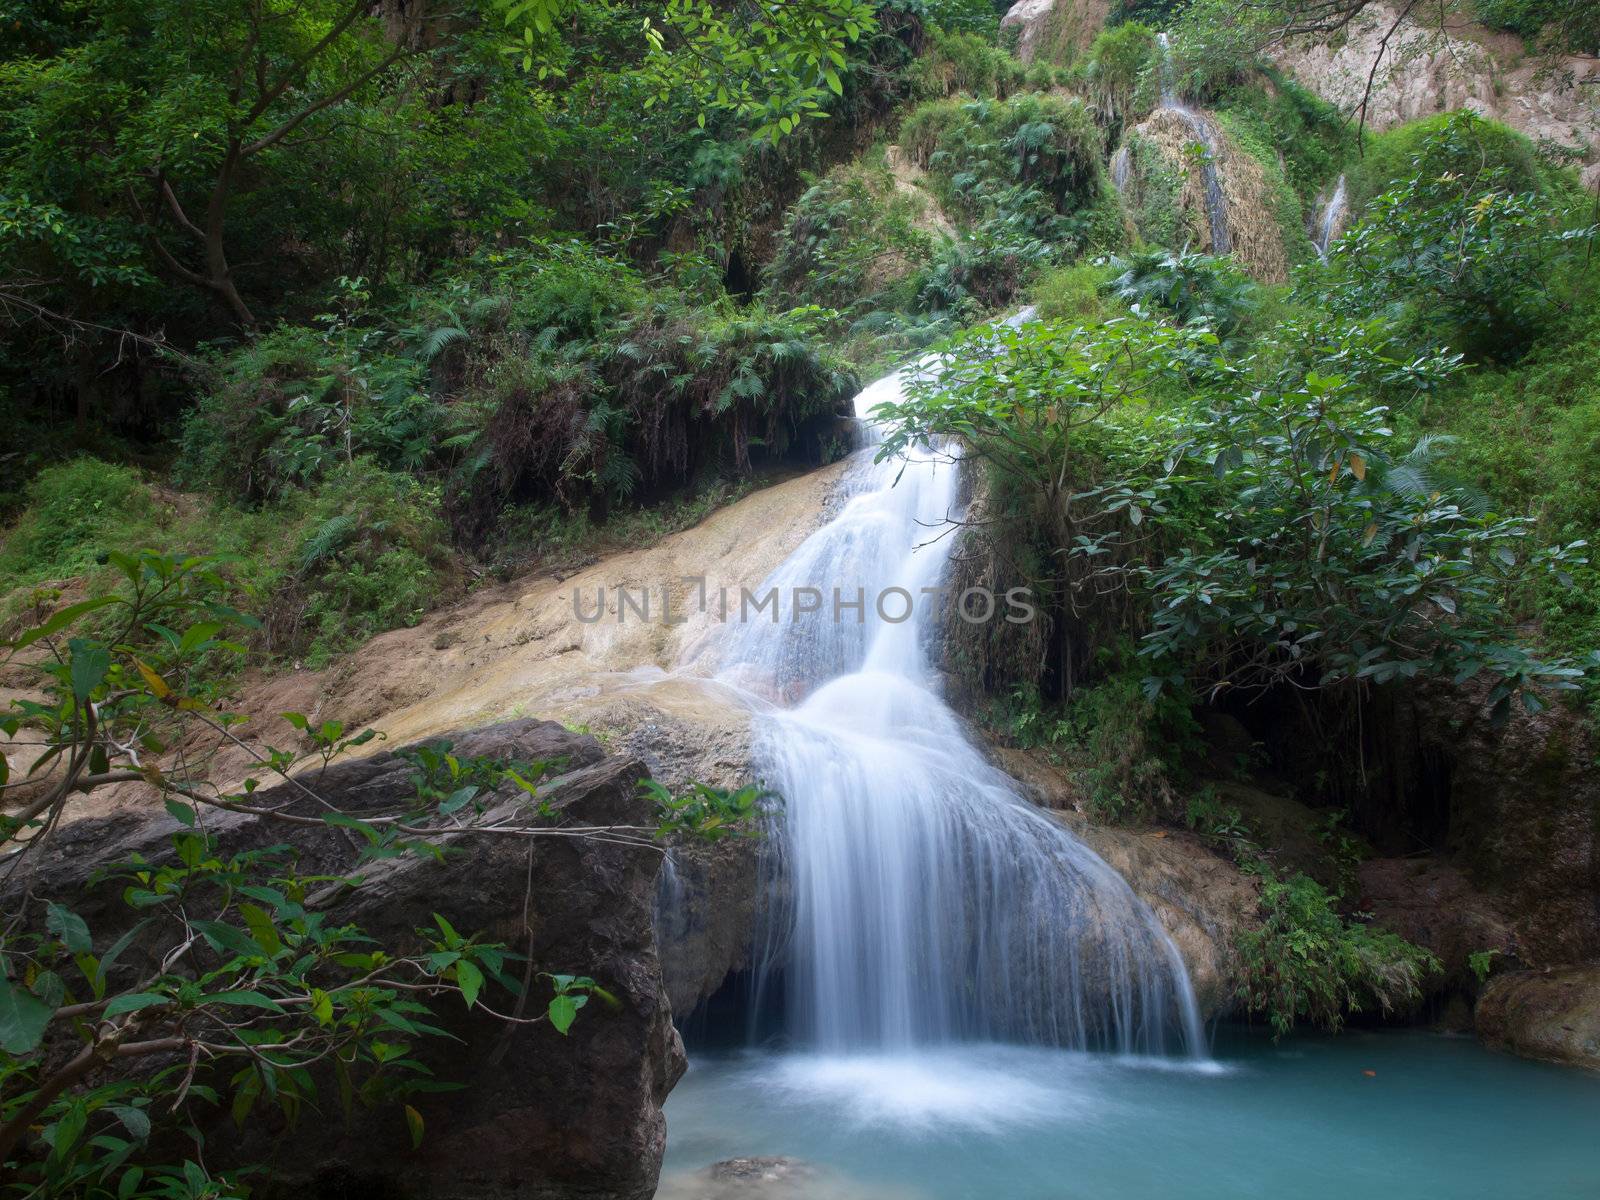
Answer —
1200 127
1121 168
916 899
1328 222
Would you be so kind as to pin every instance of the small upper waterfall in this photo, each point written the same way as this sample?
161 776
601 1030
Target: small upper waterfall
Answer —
916 898
1121 168
1211 182
1328 221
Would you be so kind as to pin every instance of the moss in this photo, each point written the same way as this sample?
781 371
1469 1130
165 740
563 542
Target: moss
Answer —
1308 141
1286 205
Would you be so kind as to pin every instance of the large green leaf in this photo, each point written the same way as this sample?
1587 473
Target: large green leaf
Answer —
22 1019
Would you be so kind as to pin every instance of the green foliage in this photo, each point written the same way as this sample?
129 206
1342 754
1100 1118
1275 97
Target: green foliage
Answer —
1073 294
1559 25
1471 254
1481 963
242 996
852 241
1308 963
323 568
1333 547
1310 137
702 811
980 17
73 512
957 63
1484 155
1193 289
1527 432
1118 60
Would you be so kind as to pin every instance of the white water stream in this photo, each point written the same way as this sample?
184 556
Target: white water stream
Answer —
915 899
1211 182
1328 219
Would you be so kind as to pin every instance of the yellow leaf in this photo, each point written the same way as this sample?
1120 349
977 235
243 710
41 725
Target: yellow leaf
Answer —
1333 475
1358 466
158 686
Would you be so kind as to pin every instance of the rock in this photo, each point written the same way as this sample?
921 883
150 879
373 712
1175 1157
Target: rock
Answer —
543 1115
1249 202
1523 804
770 1179
1430 902
1055 31
1552 1015
1426 70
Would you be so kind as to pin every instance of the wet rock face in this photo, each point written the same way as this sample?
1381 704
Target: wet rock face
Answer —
1430 902
1524 819
769 1179
1418 69
543 1115
1551 1015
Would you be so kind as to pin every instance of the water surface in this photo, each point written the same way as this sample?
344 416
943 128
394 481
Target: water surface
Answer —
1440 1118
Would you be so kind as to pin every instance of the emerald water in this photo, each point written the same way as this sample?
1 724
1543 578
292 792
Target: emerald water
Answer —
1440 1118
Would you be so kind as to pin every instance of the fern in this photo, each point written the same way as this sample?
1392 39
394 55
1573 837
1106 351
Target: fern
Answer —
326 541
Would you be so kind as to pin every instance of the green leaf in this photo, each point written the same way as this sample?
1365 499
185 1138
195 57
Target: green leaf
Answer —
135 1120
134 1001
62 619
414 1124
244 999
563 1011
229 938
180 811
70 928
22 1019
470 980
90 662
261 928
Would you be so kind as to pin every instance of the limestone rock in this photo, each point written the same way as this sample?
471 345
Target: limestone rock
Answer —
1055 30
1430 902
1552 1015
1429 69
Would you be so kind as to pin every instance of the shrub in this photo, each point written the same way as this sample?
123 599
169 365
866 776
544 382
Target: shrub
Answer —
1469 255
364 553
75 511
1484 155
1194 289
849 239
1308 963
1073 294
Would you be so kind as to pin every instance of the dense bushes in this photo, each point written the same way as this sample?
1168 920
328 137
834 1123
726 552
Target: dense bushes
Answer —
1308 963
852 241
1469 247
1483 154
321 569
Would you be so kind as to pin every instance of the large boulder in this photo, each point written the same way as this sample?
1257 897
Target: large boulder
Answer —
1054 31
542 1115
1552 1015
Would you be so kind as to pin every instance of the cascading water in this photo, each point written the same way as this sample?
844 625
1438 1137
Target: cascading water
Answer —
1121 168
927 902
1328 221
1211 182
